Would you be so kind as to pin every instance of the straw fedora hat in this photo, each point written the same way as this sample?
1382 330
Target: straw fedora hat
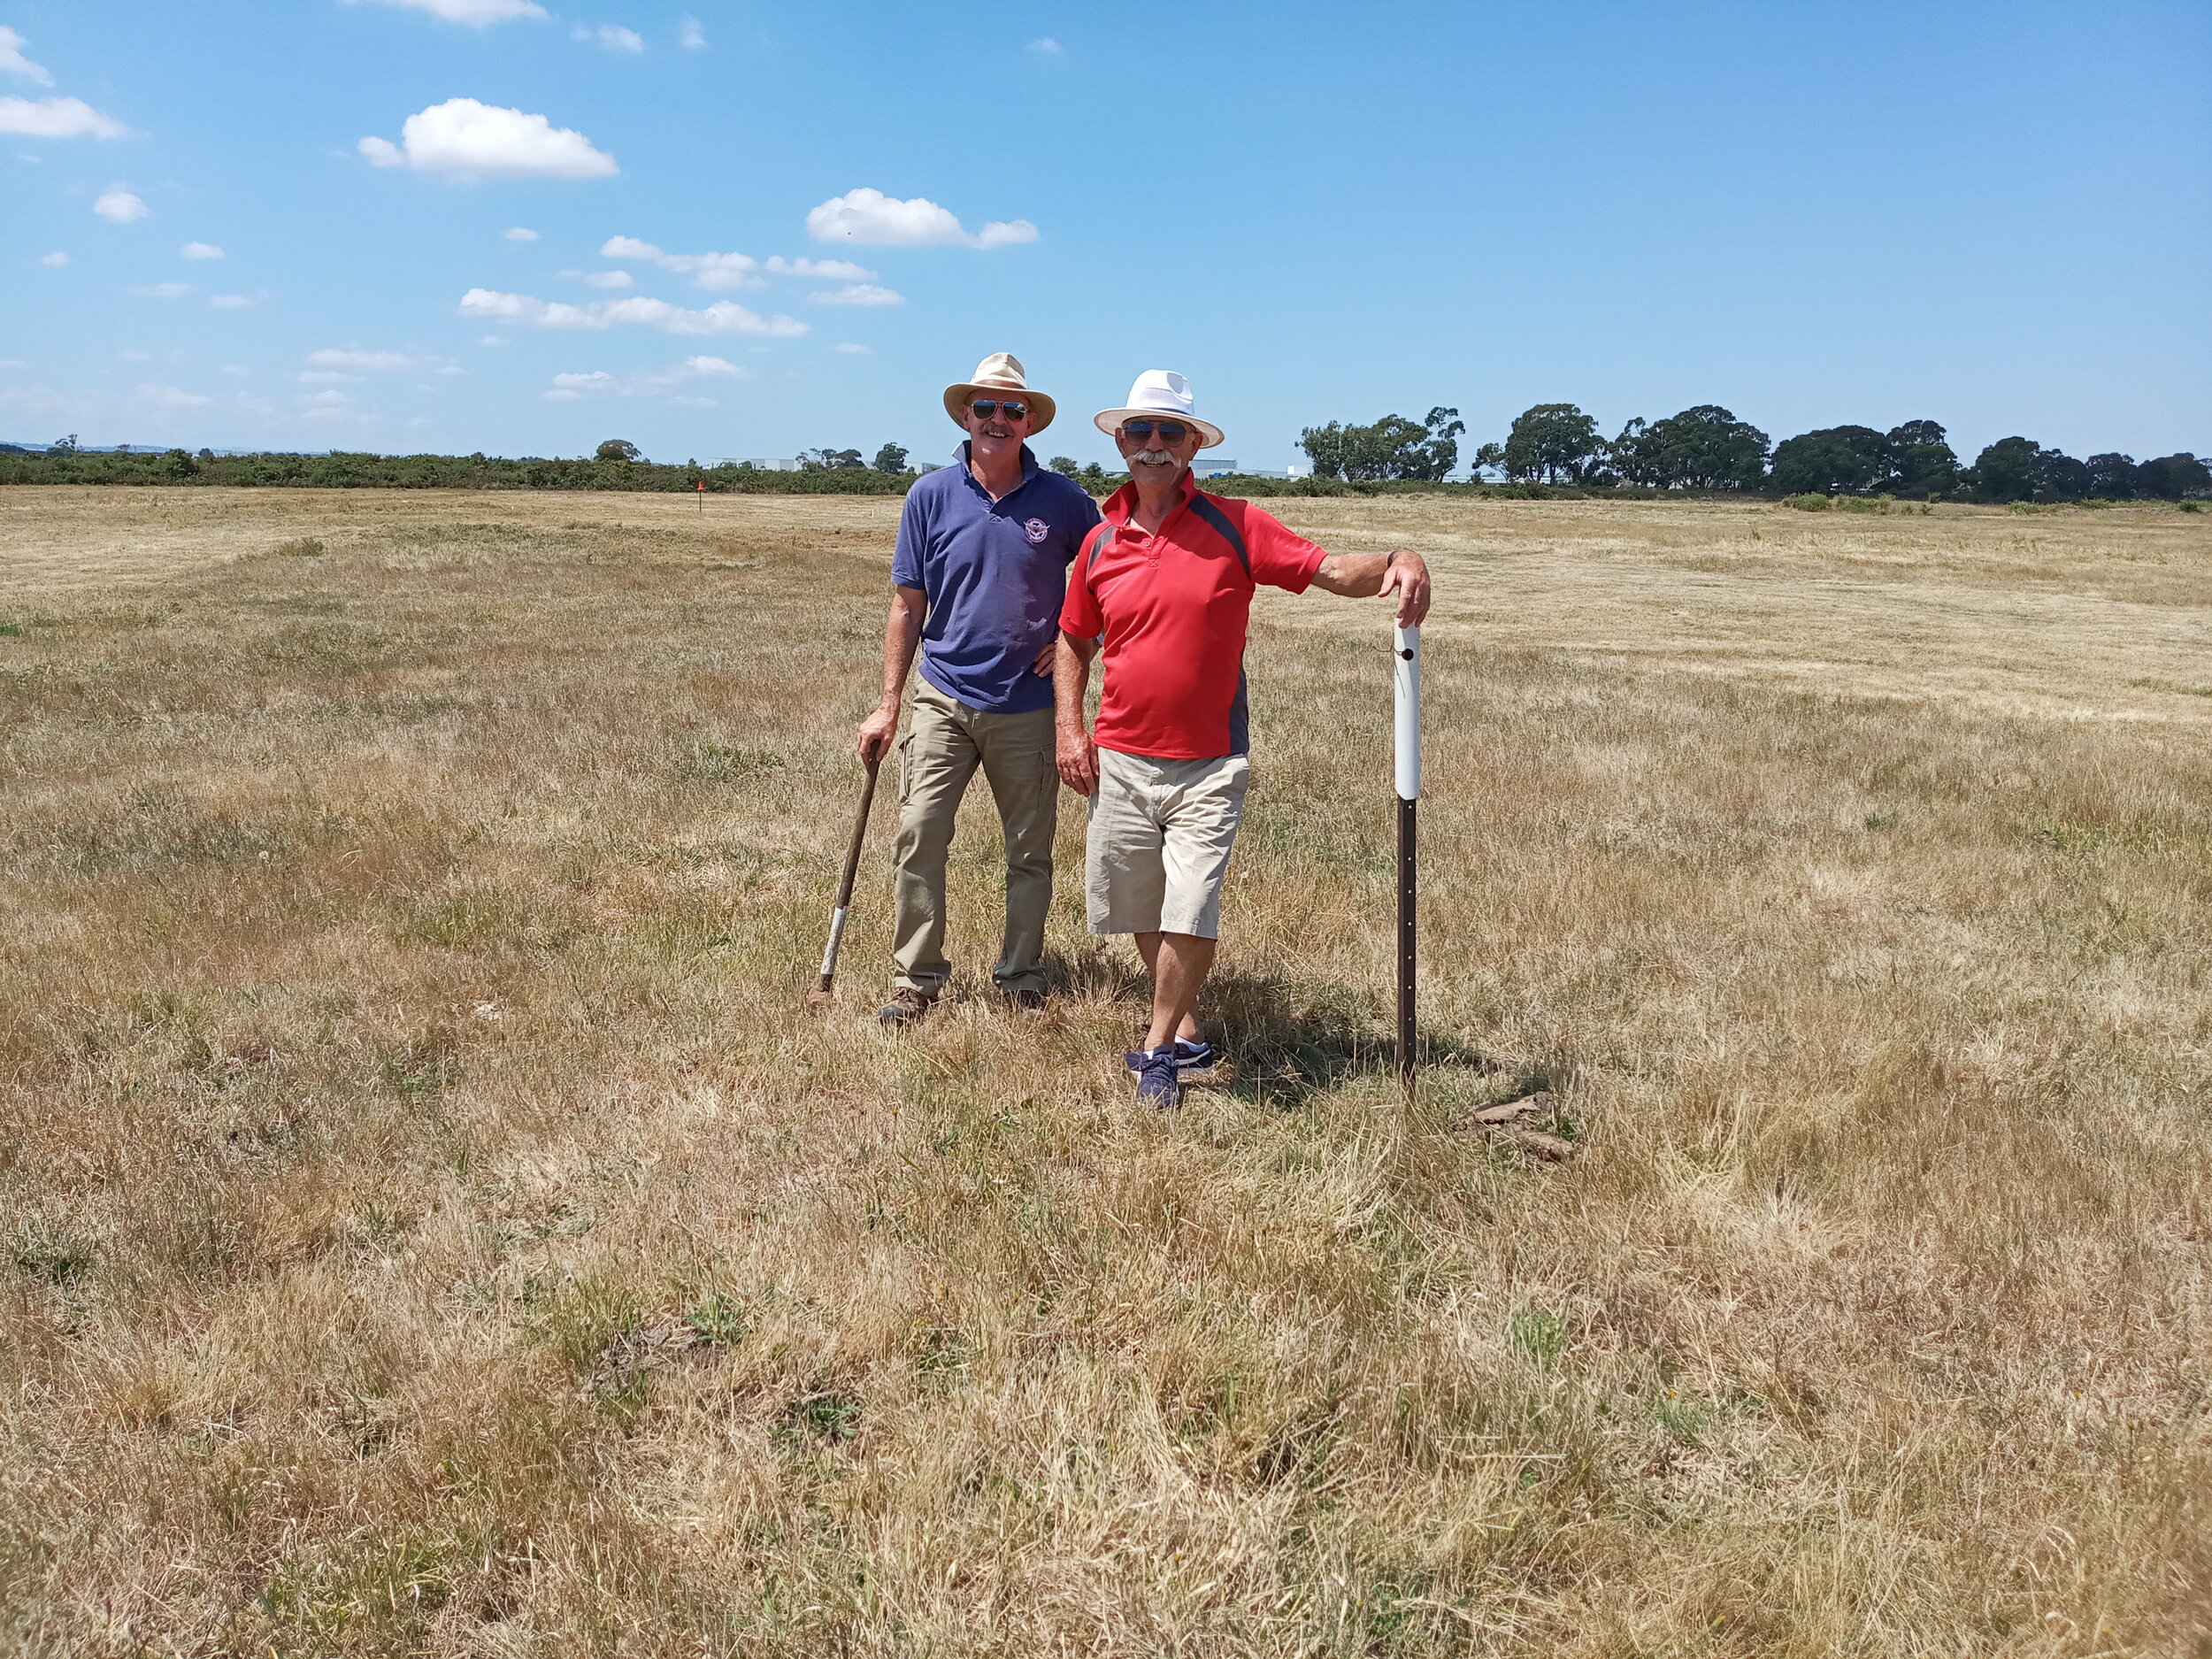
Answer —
1000 373
1159 392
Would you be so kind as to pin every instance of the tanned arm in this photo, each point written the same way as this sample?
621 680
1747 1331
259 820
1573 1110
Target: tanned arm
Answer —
1364 575
902 637
1072 748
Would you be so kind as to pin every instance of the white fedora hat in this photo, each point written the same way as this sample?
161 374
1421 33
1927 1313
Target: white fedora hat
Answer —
1000 375
1159 392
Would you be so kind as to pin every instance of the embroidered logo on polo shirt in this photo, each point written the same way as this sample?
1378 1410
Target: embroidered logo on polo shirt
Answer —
1036 530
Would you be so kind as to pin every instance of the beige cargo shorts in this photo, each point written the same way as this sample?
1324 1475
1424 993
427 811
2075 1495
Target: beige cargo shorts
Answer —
1160 837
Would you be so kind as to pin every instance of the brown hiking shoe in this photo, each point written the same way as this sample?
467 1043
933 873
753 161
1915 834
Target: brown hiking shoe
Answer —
906 1007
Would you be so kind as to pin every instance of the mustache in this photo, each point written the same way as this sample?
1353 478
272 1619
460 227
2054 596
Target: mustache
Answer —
1155 457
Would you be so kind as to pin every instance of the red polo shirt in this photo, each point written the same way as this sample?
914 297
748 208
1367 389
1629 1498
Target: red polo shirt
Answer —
1174 608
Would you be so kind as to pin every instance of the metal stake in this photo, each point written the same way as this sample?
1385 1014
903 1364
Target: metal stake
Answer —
1406 684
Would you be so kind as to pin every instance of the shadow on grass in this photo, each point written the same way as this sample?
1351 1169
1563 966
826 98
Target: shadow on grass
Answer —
1285 1040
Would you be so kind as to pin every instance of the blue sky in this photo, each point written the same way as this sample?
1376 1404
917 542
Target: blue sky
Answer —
1995 215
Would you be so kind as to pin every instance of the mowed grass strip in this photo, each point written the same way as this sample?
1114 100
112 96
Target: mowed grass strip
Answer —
432 1226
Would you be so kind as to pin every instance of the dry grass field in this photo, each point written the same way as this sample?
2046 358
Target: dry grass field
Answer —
431 1227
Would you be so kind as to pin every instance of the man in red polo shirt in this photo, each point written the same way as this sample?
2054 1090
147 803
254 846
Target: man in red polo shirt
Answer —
1167 582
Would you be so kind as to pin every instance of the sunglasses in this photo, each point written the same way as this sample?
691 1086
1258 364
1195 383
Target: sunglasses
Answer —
985 407
1174 431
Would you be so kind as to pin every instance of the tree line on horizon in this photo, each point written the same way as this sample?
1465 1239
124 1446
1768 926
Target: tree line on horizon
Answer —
1552 446
1706 448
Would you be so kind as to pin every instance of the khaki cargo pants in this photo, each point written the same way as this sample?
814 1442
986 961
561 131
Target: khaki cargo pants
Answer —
945 742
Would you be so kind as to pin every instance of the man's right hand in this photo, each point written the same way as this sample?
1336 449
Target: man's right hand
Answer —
1078 759
878 732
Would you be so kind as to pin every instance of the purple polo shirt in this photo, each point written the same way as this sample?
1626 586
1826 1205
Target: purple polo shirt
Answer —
994 572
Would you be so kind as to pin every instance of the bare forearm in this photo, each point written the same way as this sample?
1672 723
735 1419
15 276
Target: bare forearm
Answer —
1364 575
902 637
1072 682
1352 575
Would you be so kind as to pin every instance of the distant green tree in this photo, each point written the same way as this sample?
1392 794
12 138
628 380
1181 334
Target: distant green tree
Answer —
1833 461
1393 447
1556 442
2005 470
1921 460
831 461
618 450
1062 465
1703 447
1093 473
2112 477
2019 469
63 446
890 458
2181 477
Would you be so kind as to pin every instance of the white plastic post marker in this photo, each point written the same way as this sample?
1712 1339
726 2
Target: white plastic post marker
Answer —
1405 676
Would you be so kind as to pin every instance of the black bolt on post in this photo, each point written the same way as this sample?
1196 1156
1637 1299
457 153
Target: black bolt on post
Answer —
1406 684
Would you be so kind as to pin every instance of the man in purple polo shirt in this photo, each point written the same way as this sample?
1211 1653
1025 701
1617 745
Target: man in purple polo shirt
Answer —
976 583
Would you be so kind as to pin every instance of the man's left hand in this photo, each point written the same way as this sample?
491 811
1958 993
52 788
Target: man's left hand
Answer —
1042 666
1408 577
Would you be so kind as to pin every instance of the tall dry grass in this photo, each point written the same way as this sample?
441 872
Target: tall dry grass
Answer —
432 1228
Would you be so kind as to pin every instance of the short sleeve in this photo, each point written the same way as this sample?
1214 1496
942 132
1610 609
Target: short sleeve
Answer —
1280 557
906 559
1084 516
1080 617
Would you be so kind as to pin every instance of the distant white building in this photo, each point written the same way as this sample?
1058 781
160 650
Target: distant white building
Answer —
1207 466
758 466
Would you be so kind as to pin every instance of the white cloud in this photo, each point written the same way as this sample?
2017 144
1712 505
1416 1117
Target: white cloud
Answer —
851 350
859 294
170 397
163 291
58 118
519 234
354 361
13 363
613 37
715 270
834 270
14 63
472 139
329 406
870 216
202 250
119 207
55 260
237 302
324 376
491 340
690 35
606 279
1005 234
476 11
723 317
1046 47
732 270
708 270
646 382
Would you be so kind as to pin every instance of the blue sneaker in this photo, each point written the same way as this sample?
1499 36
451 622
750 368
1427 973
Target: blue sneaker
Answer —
1189 1056
1158 1085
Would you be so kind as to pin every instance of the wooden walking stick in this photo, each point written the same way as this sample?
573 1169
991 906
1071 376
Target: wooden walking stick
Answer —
819 1000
